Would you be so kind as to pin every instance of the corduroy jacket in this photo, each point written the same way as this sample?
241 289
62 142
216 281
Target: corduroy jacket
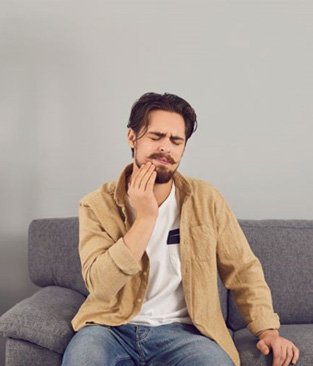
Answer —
211 242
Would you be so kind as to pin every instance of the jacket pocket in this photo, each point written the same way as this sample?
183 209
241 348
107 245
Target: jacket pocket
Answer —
202 243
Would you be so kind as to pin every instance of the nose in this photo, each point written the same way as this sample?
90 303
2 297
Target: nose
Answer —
165 146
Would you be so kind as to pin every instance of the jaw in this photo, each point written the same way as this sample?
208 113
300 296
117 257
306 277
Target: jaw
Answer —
164 174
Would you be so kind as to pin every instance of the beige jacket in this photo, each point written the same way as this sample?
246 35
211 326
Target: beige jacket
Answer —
211 241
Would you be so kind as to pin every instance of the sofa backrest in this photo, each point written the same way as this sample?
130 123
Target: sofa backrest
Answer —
53 257
285 249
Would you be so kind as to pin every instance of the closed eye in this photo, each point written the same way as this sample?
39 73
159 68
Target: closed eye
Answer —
176 142
156 136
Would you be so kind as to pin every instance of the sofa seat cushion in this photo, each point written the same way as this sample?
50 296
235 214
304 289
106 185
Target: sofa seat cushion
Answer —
44 318
300 334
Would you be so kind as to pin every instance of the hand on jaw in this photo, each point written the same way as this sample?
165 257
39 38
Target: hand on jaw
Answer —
140 191
143 200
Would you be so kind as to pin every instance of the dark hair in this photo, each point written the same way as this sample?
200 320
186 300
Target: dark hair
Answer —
139 115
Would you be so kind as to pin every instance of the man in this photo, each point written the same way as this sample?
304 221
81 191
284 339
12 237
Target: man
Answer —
151 246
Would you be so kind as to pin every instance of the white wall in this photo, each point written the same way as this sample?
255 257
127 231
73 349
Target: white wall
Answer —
70 71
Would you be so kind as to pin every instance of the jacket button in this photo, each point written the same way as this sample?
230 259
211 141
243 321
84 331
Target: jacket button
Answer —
139 300
144 273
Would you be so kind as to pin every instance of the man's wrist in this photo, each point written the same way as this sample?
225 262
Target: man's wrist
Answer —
266 332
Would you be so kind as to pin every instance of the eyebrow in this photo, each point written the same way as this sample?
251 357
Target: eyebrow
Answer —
162 134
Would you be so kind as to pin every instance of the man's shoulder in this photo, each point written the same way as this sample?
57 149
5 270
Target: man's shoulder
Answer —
103 193
205 194
201 187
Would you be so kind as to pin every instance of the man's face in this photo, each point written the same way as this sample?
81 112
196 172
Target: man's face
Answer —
163 144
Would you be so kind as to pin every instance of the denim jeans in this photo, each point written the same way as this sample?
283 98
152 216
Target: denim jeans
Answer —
173 344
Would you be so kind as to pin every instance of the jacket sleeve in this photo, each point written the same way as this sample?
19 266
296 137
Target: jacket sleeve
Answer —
242 273
106 264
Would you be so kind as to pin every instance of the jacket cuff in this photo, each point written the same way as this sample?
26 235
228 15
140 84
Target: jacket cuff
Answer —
123 258
263 323
265 331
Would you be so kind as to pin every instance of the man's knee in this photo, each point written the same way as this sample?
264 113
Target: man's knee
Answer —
203 352
90 346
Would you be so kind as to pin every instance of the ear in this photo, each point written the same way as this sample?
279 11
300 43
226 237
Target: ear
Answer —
131 137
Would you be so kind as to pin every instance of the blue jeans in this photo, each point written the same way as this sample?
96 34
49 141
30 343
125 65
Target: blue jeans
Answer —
173 344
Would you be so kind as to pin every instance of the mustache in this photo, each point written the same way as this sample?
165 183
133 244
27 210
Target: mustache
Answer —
162 156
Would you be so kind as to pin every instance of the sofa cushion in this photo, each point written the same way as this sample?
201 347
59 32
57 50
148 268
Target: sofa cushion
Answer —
22 353
53 257
300 334
285 249
44 318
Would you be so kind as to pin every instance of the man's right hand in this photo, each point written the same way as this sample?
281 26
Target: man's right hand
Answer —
140 192
142 199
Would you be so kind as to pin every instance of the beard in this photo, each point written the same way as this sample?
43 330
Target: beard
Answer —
164 175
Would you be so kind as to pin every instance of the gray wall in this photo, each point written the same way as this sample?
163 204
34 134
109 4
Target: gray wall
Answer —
70 71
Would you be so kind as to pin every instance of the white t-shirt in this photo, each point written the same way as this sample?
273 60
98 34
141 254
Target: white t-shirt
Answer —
164 302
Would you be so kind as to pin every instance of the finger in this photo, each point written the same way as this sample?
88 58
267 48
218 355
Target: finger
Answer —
262 347
136 179
284 355
288 357
276 355
145 179
296 354
151 181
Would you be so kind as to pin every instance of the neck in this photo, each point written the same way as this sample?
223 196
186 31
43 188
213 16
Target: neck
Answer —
161 191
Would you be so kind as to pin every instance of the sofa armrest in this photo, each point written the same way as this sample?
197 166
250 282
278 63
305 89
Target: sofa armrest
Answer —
44 318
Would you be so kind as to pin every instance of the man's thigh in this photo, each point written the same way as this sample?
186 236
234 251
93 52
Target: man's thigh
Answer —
186 346
95 345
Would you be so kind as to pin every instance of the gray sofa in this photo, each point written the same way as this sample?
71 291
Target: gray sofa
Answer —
38 329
